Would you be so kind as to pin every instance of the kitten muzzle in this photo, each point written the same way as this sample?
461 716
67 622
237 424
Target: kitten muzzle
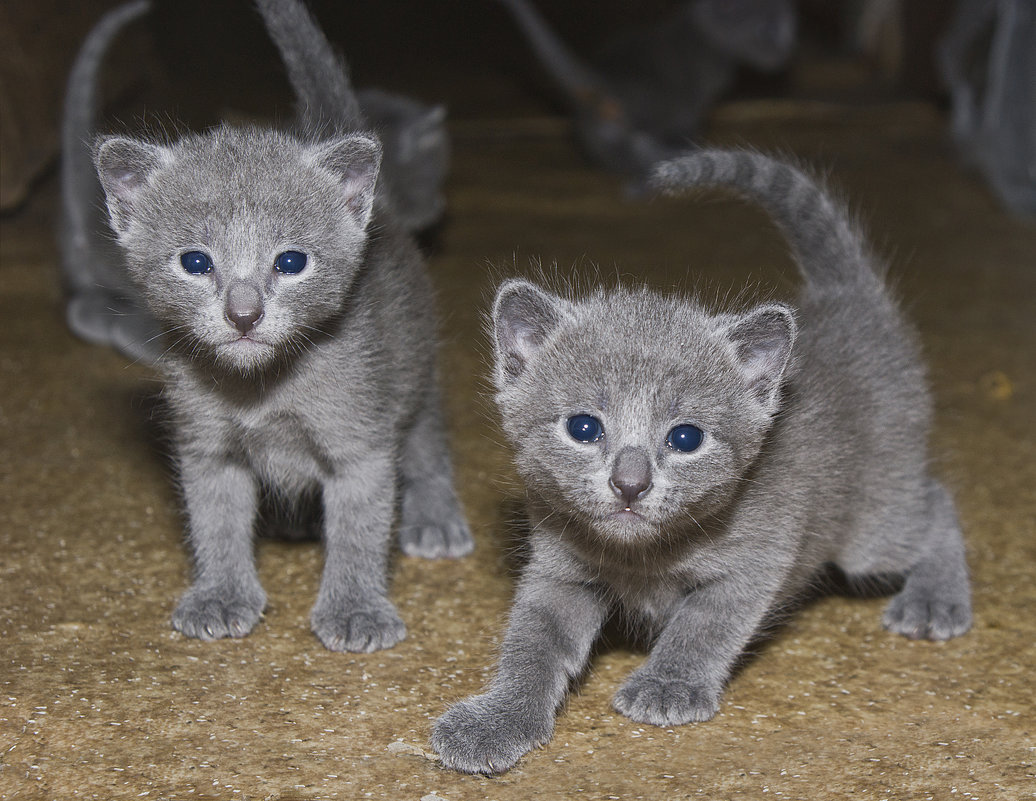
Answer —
244 306
631 476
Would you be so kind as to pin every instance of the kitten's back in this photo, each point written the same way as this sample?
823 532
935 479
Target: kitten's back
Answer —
857 422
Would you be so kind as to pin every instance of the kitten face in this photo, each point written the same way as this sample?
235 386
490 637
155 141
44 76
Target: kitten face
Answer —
244 243
631 412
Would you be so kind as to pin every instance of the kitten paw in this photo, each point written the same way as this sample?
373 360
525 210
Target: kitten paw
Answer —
359 630
450 541
648 698
920 616
483 735
213 613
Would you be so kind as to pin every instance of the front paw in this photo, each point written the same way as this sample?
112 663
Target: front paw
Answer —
483 735
431 541
925 616
210 613
358 628
663 701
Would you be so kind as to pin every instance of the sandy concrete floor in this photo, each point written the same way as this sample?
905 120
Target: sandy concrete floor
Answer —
99 698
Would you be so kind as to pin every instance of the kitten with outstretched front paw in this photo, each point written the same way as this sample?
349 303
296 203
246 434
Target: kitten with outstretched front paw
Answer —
299 348
696 470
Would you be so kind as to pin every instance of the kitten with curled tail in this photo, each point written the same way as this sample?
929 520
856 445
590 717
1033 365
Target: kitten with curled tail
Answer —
300 351
696 470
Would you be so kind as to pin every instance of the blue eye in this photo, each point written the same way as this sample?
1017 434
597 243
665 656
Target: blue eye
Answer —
685 438
196 263
290 262
585 428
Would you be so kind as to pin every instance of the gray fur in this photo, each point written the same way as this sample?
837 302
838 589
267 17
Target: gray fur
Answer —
416 144
319 78
815 451
417 156
103 307
322 381
646 96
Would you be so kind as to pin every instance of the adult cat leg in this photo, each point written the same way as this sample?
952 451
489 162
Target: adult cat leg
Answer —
553 624
352 611
431 522
935 602
226 598
683 678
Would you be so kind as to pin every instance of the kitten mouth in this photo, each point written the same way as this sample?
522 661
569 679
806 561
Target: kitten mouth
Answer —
245 341
245 352
628 514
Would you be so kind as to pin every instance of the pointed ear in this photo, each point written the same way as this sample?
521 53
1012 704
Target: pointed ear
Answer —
523 318
423 133
124 166
436 115
762 341
355 160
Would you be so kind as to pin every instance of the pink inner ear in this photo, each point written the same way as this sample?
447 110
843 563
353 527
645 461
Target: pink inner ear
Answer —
129 180
359 186
763 342
524 316
354 161
762 362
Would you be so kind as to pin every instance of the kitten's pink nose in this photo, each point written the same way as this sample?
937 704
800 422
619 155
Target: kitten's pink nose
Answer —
244 306
631 475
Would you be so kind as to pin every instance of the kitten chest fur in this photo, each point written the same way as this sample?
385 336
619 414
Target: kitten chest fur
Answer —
298 427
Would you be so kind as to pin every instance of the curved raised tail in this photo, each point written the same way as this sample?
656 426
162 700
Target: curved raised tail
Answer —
79 186
318 76
826 244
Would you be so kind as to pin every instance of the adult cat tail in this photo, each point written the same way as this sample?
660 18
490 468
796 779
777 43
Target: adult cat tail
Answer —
826 244
78 178
318 76
573 77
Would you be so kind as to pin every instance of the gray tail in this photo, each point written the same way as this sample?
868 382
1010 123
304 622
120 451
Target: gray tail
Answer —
826 244
572 77
79 185
318 75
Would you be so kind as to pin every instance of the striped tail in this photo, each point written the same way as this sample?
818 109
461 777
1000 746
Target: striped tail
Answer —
827 246
318 76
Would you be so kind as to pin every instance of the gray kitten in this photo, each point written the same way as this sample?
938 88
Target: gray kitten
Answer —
300 358
697 470
106 309
646 95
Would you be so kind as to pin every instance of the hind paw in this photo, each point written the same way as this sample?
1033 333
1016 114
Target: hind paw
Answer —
450 541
